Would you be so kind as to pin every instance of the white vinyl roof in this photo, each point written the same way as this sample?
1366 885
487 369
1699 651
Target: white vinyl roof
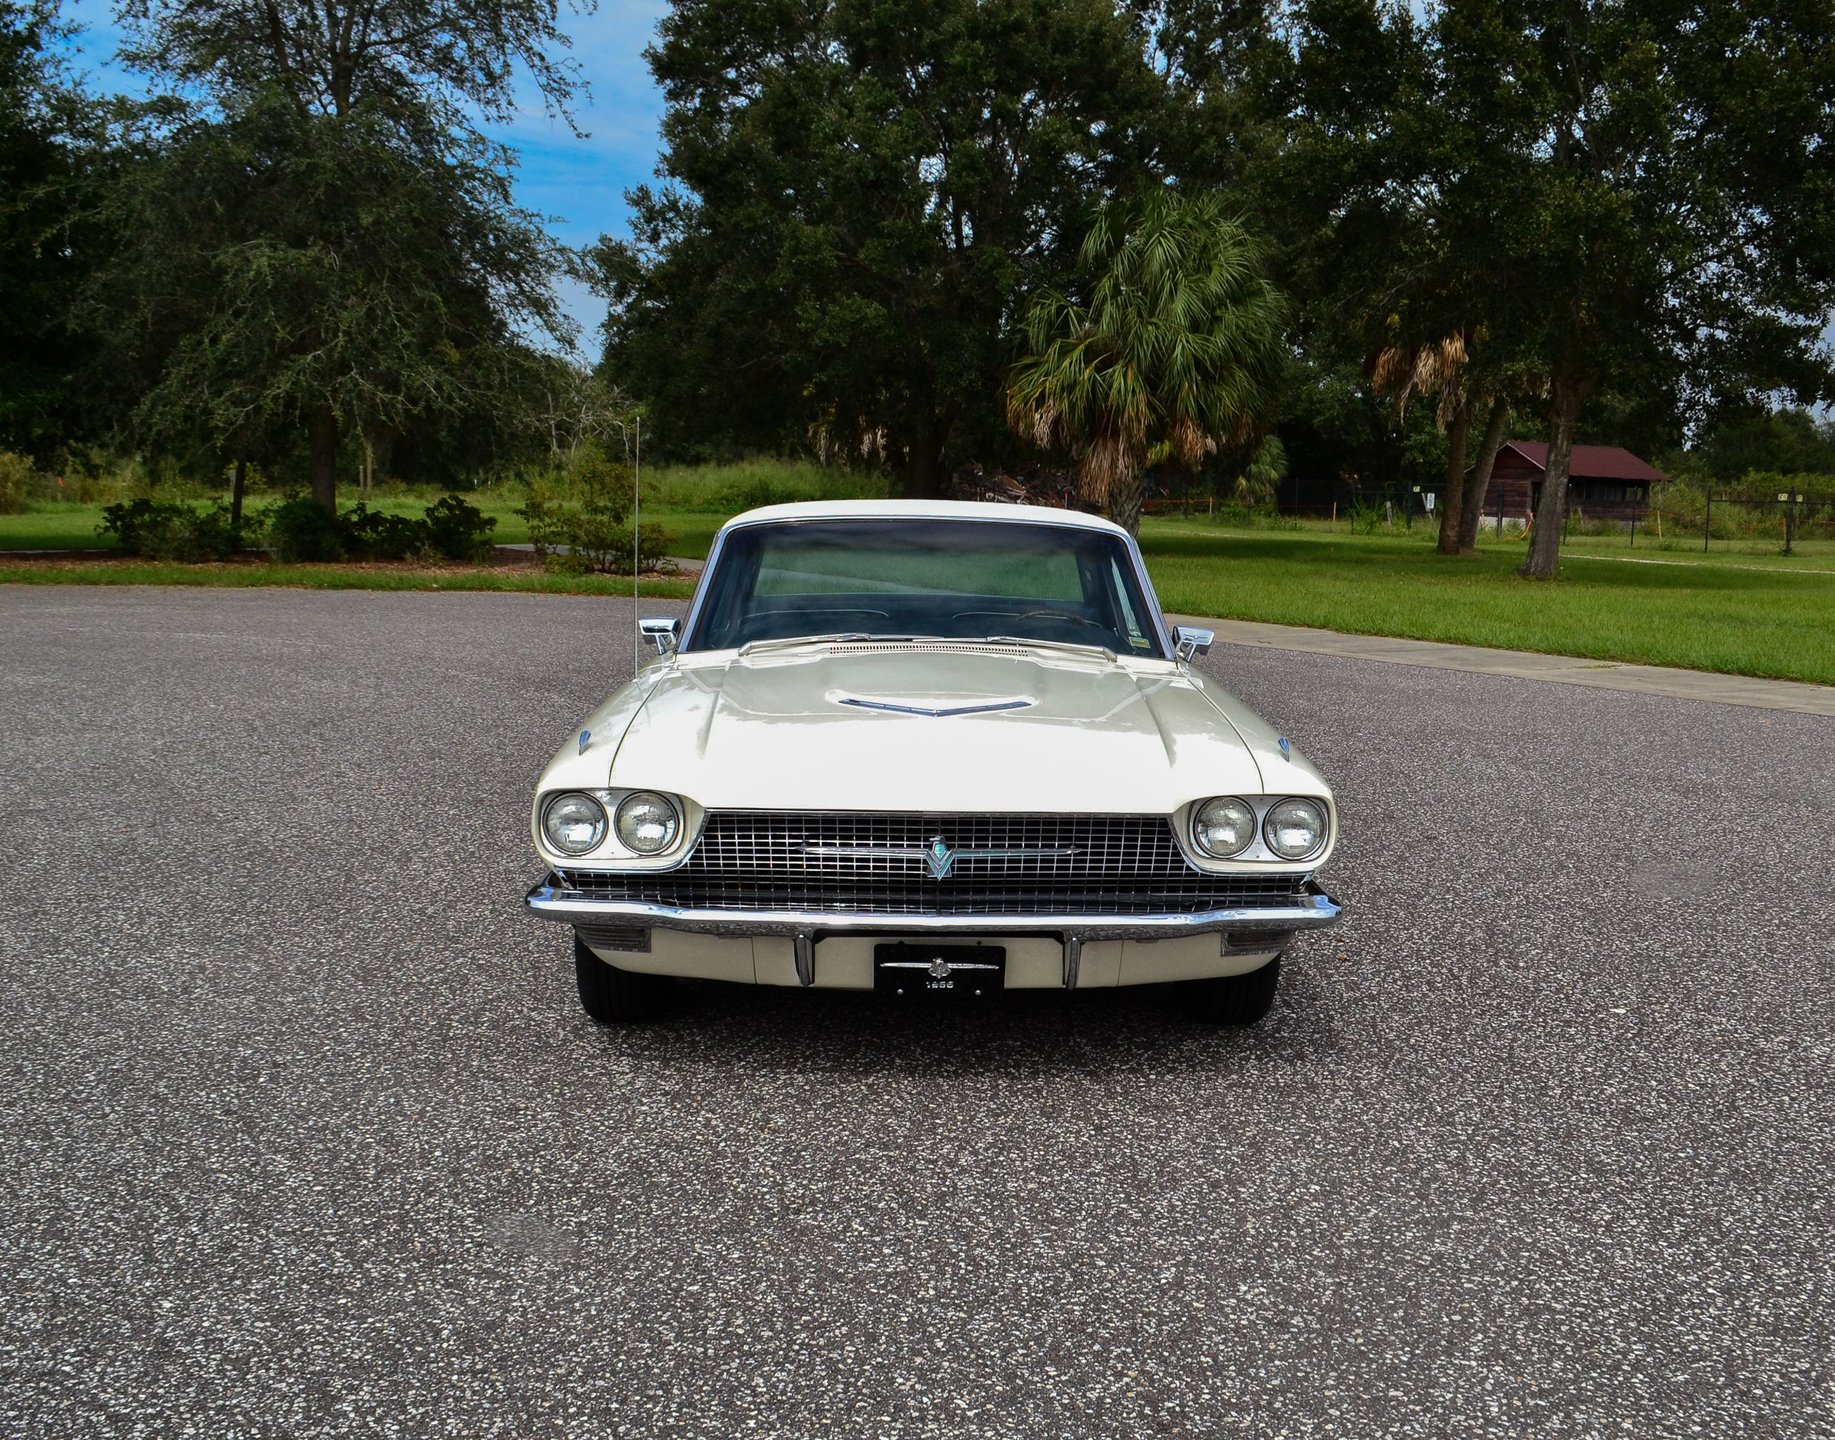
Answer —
923 510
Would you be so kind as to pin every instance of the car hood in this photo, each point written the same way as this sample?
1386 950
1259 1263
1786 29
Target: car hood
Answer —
900 727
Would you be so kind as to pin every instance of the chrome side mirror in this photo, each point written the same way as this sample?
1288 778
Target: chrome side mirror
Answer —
1189 641
662 631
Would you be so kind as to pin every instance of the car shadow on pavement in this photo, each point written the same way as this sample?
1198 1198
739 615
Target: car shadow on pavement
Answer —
1092 1031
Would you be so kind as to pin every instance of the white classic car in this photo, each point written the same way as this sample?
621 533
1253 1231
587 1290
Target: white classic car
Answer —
928 747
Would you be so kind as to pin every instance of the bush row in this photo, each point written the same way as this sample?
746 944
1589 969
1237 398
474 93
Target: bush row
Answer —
298 530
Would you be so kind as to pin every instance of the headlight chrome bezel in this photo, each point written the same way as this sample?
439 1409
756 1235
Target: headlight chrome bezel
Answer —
1323 829
1252 828
1259 851
667 804
554 802
609 847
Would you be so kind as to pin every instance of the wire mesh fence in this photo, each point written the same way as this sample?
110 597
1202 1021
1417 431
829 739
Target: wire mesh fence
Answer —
1716 525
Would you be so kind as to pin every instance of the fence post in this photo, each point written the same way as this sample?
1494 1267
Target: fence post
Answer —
1634 529
1707 523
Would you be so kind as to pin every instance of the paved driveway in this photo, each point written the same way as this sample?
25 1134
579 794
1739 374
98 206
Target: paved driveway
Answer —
302 1134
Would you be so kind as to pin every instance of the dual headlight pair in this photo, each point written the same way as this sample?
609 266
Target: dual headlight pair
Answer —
574 822
1293 829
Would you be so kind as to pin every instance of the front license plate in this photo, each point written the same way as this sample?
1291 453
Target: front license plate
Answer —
901 969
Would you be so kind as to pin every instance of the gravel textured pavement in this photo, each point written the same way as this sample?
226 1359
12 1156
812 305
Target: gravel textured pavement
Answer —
303 1134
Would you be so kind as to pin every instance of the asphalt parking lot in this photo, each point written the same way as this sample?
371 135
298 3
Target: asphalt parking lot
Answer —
303 1134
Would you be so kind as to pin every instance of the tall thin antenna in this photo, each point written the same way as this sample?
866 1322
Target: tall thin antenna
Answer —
637 515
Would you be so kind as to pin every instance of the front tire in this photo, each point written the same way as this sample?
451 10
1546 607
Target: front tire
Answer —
1239 999
612 996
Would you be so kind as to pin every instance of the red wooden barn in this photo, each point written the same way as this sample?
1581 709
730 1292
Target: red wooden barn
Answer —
1604 482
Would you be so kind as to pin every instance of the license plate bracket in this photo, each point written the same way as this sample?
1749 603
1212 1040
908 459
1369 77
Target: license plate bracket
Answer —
903 968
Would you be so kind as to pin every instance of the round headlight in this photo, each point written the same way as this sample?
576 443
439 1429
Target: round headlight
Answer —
1295 829
1223 827
647 824
573 823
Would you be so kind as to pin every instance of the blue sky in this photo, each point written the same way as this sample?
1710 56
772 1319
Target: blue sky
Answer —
581 183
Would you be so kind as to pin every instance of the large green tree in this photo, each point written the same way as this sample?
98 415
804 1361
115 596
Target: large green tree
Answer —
44 250
287 270
1168 347
328 240
859 195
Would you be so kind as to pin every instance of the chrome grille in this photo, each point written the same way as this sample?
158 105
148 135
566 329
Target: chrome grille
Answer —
1090 865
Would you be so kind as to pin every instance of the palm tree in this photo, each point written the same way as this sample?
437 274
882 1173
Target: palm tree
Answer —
1171 347
1437 368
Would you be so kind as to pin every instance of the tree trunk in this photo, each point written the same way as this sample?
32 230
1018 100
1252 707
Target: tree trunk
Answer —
325 459
238 487
1472 507
1125 497
923 477
1551 510
1452 500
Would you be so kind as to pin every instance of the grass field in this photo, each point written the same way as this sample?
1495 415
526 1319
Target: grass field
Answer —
1740 612
1736 617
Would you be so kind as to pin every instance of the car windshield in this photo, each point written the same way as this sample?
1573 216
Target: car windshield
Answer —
957 579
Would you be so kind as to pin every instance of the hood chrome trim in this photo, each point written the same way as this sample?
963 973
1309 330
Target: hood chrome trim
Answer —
986 707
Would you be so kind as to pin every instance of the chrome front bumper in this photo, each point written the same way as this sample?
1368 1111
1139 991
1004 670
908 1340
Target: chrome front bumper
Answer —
550 901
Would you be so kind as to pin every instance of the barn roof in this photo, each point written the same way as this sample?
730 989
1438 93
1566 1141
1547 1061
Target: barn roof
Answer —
1590 462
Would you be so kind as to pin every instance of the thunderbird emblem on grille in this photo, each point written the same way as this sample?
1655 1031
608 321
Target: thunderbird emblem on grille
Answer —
939 856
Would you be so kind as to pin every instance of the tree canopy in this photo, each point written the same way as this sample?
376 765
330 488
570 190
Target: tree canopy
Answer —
1580 194
1610 220
42 255
860 196
330 241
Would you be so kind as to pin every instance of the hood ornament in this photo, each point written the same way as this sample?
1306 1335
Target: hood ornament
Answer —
936 712
1286 748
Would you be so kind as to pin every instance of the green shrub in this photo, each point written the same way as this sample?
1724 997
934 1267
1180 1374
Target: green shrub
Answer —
17 478
368 534
171 530
580 524
298 530
457 530
596 546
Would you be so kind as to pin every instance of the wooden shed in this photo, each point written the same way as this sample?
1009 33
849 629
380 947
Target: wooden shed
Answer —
1605 482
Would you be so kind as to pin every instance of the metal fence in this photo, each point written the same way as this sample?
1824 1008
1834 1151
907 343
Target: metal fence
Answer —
1718 525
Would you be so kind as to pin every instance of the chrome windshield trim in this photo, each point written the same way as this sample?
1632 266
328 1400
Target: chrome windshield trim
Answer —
1155 616
548 901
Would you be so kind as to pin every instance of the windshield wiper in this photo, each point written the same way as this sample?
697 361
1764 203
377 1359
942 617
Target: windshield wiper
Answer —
783 641
838 637
1033 641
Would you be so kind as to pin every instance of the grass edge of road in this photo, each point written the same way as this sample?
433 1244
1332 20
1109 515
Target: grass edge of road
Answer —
335 577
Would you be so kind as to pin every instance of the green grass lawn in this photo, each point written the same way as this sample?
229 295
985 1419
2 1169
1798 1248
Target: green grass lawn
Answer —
1731 616
1742 612
54 525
